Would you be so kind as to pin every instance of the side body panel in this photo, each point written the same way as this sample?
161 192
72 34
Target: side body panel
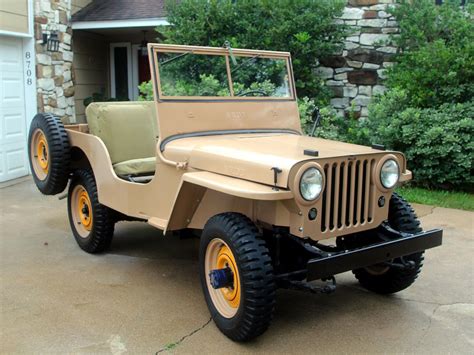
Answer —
174 198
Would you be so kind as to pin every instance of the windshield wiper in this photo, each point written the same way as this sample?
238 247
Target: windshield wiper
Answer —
247 61
175 58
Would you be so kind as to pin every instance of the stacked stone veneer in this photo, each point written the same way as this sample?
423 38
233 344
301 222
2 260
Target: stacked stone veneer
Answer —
54 72
357 74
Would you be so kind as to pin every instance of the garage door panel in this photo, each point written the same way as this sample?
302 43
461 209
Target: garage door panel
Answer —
13 145
2 165
13 128
14 161
11 57
12 93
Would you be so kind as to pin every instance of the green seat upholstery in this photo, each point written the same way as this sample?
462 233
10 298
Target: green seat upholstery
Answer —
136 166
130 133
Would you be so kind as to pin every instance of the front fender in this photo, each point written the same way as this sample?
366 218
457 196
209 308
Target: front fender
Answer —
204 194
236 187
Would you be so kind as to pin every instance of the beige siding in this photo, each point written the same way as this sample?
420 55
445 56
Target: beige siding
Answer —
14 15
76 5
90 68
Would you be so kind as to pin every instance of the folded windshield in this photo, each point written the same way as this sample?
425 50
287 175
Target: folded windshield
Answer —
190 74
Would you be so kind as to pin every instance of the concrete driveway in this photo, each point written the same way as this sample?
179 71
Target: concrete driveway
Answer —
144 295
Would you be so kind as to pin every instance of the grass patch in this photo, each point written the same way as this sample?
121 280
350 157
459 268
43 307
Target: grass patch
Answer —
448 199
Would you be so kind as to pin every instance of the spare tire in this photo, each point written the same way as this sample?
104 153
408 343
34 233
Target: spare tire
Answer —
49 153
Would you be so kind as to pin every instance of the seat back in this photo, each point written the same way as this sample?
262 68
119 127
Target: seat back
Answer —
128 129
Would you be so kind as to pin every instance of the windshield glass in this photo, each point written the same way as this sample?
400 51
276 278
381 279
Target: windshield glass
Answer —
189 74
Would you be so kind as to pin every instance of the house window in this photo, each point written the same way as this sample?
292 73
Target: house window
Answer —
439 2
121 71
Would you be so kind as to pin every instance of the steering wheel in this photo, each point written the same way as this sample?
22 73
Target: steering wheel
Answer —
245 93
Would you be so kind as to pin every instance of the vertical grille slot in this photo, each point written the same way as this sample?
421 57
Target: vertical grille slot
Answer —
347 197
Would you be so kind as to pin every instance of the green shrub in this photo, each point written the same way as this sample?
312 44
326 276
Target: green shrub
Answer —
427 113
146 91
99 97
437 141
435 64
331 126
306 28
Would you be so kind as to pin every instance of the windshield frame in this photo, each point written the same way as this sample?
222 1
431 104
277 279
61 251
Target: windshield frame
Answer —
154 49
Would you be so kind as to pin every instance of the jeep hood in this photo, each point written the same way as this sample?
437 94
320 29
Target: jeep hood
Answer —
252 156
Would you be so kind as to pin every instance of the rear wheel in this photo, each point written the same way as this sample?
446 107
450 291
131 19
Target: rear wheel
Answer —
91 222
237 276
385 279
49 153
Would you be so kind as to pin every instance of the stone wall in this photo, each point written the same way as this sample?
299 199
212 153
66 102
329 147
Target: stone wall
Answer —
356 74
54 72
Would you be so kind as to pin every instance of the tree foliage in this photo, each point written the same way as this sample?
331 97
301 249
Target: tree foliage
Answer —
428 111
436 60
306 28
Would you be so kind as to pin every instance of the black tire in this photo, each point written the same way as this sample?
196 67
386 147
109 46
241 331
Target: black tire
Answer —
255 273
95 235
53 178
401 217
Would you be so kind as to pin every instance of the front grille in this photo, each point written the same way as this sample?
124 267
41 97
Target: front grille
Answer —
348 197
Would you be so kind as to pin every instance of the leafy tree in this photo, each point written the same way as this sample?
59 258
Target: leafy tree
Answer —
306 28
428 111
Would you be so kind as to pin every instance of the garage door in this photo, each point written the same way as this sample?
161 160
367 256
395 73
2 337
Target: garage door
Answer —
13 153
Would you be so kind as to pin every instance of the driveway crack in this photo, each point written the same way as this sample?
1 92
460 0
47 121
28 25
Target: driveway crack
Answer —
183 338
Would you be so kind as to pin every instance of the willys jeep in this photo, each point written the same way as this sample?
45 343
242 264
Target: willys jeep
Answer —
220 152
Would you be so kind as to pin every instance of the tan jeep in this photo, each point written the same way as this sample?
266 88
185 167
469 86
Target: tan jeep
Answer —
220 151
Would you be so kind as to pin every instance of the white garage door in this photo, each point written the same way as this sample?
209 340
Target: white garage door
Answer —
13 150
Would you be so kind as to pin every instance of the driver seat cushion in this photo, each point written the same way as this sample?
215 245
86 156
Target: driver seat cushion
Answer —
130 133
136 167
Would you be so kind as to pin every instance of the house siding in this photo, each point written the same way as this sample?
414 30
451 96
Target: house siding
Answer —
14 16
90 68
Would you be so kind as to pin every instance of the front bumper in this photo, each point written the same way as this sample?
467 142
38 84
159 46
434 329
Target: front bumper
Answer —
339 262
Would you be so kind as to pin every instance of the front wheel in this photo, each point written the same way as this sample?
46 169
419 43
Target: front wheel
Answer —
385 279
236 276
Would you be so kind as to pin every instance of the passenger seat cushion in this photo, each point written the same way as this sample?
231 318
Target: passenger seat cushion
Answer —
128 129
135 167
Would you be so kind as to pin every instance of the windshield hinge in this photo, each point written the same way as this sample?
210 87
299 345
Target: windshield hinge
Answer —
229 48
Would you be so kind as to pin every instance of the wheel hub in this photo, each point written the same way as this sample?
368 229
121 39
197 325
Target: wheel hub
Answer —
220 278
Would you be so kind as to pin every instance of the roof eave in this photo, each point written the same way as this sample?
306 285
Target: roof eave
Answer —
145 22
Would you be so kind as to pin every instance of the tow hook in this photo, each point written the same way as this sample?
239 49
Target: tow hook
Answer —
220 278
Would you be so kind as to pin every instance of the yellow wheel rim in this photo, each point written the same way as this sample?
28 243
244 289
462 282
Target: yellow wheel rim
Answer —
225 258
85 209
42 150
226 299
81 210
40 154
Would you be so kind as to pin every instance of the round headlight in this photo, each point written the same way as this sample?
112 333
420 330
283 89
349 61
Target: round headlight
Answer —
311 184
389 174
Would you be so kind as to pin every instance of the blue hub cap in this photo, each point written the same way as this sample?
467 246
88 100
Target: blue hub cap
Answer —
220 278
